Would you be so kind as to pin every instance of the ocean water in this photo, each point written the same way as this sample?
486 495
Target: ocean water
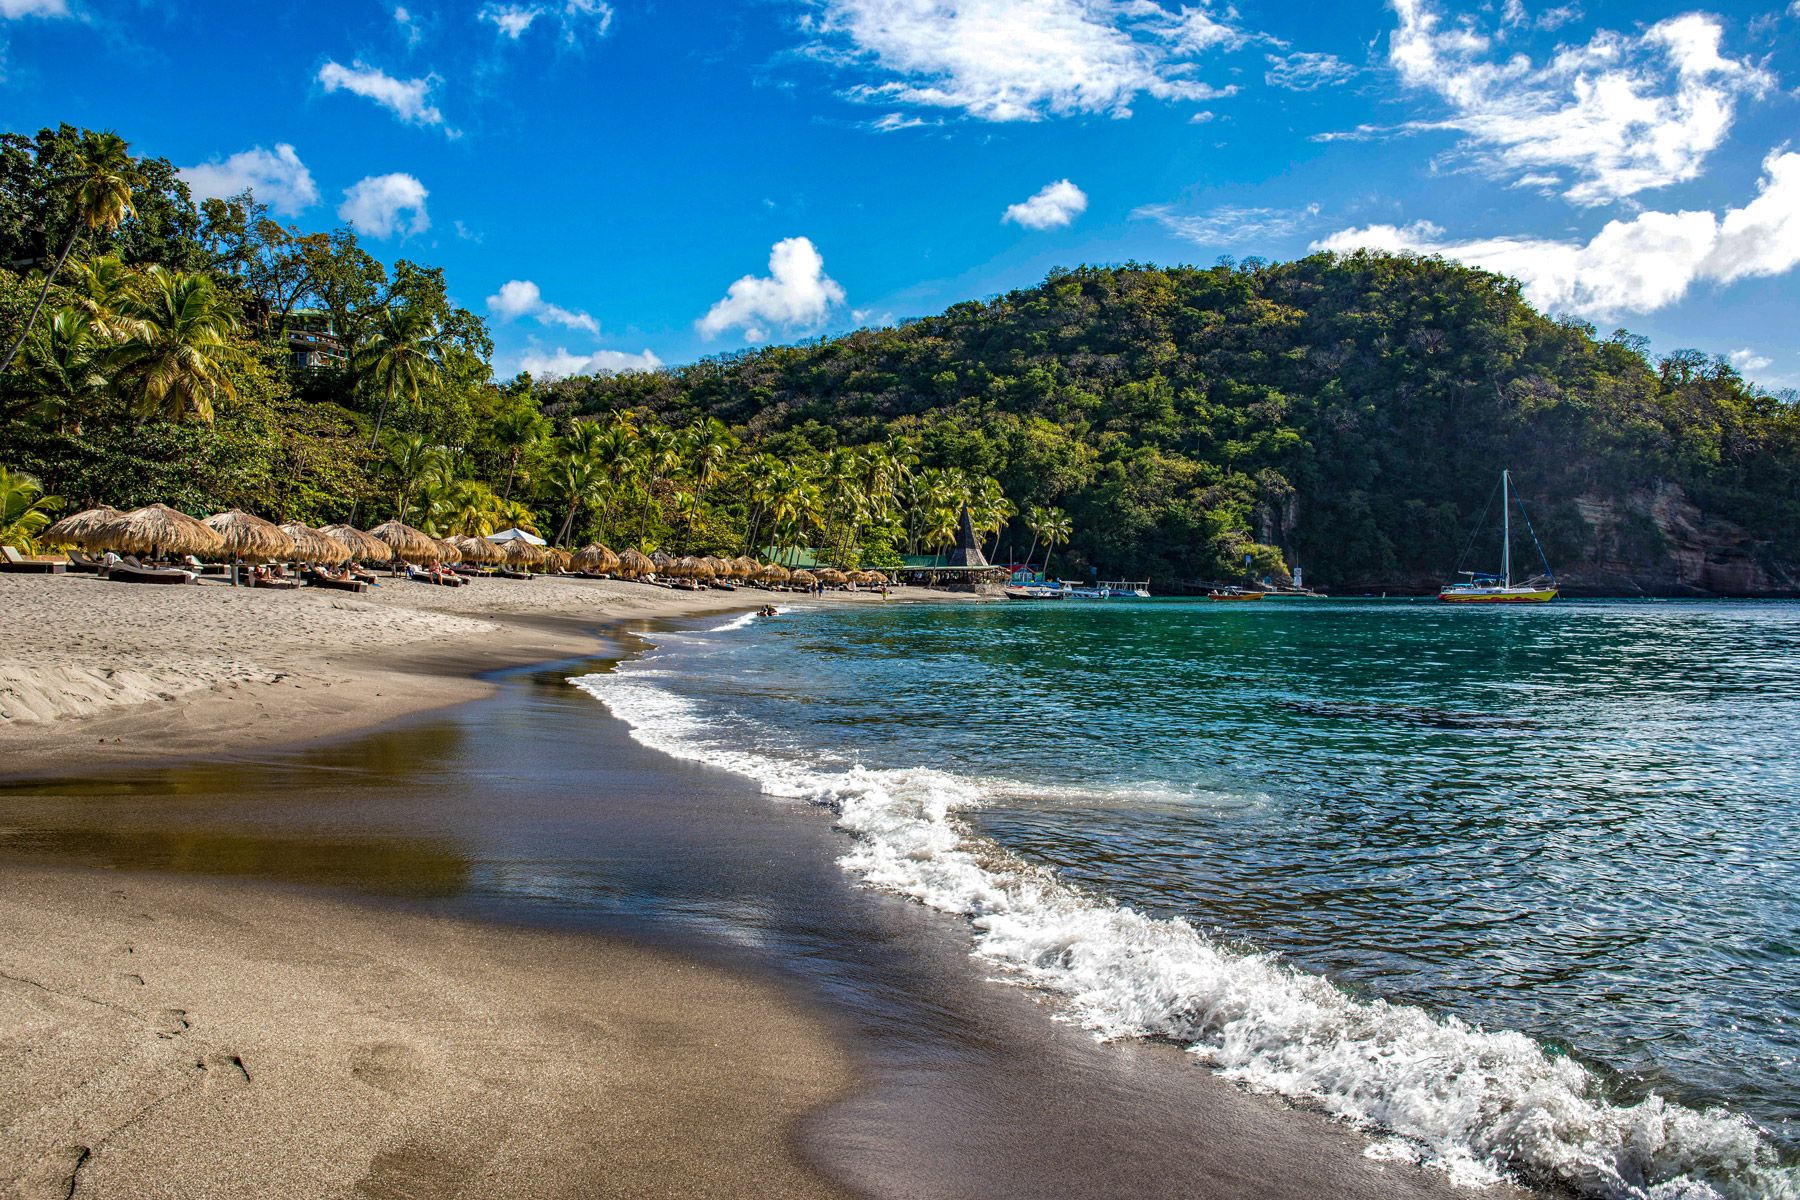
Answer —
1516 890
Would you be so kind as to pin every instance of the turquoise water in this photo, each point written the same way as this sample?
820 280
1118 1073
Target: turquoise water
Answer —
1574 823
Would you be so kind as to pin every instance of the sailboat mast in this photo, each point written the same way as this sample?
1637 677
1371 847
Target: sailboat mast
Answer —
1506 527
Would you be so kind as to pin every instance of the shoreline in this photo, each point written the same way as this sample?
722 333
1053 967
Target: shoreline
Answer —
966 1087
148 675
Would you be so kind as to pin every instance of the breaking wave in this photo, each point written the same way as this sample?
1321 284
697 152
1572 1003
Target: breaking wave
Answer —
1436 1090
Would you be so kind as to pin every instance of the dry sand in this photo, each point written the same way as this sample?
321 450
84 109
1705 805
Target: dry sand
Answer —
98 672
171 1038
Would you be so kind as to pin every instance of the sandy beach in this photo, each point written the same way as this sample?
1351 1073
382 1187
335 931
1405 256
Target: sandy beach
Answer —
178 1038
99 672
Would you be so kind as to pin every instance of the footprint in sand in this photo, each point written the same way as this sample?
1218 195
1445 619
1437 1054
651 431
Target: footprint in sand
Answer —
132 978
390 1066
52 1177
171 1023
225 1069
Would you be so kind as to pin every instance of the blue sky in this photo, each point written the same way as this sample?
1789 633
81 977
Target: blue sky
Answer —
628 182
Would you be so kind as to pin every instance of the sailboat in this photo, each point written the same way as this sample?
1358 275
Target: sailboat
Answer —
1500 589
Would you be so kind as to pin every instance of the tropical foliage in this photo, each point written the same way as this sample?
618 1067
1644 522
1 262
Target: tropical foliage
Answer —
1347 412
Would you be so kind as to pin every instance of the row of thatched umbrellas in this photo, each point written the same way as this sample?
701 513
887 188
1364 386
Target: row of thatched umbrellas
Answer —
159 529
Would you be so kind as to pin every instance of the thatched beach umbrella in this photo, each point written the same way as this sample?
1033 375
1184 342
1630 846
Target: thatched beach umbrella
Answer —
520 554
249 538
405 542
78 529
476 550
832 577
805 579
313 546
361 546
663 562
555 559
596 558
634 564
693 568
448 551
157 529
745 567
775 573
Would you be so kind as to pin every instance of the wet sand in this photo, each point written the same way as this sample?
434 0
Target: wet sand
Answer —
534 809
172 1037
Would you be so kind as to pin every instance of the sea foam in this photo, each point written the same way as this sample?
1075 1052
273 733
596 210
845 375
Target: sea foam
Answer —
1480 1105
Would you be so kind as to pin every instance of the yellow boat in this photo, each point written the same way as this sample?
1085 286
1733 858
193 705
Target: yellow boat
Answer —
1500 589
1233 593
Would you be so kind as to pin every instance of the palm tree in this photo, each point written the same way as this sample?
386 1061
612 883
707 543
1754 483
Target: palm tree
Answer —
1056 531
659 455
410 458
518 430
401 354
577 479
990 510
62 362
24 510
99 187
1034 521
473 510
763 478
177 345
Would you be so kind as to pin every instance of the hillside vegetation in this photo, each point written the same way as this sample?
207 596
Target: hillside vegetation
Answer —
1350 414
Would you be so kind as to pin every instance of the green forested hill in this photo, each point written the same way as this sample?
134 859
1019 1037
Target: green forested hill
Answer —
1348 414
1354 411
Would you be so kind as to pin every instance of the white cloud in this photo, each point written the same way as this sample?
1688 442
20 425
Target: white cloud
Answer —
1230 226
796 294
573 17
373 206
1054 204
276 177
408 22
561 364
1611 118
1303 71
521 298
1639 265
408 99
1749 360
1022 60
12 10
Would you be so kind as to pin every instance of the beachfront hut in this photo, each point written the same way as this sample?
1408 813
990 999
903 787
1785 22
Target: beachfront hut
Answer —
361 546
405 542
633 564
313 546
156 529
78 529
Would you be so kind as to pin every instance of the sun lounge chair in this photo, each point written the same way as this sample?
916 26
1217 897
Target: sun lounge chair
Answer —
81 564
506 574
322 580
126 572
18 564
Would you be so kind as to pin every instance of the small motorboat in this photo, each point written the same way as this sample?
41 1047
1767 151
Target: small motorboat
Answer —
1234 593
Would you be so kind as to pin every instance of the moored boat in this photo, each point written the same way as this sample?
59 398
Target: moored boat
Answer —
1480 588
1234 593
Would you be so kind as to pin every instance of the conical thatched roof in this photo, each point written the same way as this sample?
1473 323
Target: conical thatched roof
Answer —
633 564
833 577
477 550
595 557
775 573
156 528
554 559
662 561
521 553
250 537
720 568
448 551
693 568
803 578
311 545
411 544
362 547
77 529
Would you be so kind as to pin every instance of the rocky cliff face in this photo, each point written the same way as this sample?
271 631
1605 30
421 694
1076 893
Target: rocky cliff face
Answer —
1658 543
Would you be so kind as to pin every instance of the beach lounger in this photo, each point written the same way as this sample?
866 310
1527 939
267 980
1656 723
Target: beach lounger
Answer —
18 564
81 564
125 572
336 585
505 574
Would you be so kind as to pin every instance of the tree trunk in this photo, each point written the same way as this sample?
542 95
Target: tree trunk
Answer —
31 321
511 467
